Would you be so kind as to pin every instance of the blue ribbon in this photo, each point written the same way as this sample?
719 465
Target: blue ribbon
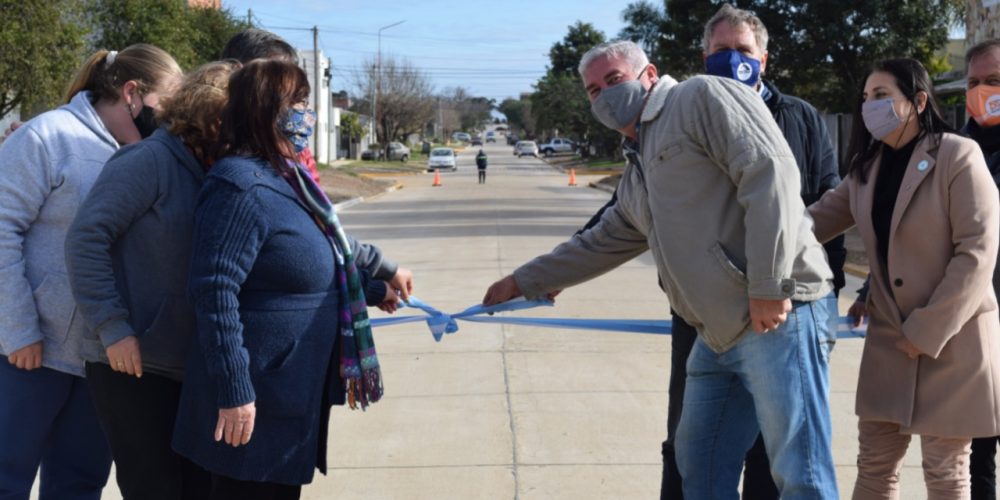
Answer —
441 323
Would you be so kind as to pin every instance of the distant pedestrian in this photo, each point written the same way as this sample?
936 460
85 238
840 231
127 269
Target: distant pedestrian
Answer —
481 166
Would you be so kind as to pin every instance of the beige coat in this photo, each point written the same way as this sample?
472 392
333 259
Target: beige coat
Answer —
936 292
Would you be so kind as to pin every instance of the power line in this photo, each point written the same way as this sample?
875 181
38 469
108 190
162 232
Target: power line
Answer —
452 41
540 58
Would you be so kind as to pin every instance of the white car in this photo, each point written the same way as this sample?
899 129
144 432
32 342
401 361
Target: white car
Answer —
557 146
461 136
442 158
526 148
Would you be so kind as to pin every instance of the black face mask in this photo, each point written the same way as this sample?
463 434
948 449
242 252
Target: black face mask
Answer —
145 123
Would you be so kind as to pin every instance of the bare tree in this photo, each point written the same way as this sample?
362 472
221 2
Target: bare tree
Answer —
472 111
403 97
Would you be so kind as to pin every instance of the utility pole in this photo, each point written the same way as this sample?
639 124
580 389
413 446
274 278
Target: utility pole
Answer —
249 17
378 77
441 123
317 83
331 135
374 131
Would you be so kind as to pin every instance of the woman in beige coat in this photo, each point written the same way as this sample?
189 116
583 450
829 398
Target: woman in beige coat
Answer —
929 215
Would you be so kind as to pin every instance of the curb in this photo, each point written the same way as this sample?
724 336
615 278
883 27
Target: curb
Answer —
360 199
602 187
379 175
856 270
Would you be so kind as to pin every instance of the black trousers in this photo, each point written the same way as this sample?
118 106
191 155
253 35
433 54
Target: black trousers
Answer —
482 176
227 488
757 481
983 467
137 415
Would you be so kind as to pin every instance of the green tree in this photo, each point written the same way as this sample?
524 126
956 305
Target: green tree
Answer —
560 102
818 50
192 35
565 55
518 115
42 44
213 29
644 20
120 23
352 126
472 111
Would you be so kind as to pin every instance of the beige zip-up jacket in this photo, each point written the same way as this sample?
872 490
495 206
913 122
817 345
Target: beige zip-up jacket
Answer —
717 202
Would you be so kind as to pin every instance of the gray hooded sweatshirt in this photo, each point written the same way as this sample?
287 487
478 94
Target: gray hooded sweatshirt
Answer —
47 167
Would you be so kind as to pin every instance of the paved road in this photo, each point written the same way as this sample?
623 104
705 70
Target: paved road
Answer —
512 412
502 412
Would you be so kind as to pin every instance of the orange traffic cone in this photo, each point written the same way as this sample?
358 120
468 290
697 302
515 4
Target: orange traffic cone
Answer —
572 177
437 178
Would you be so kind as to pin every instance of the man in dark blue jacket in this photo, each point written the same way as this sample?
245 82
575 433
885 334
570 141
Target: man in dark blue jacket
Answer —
983 104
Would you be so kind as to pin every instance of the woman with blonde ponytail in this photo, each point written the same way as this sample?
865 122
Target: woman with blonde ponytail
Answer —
47 167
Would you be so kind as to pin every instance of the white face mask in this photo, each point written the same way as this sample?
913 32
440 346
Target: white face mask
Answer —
880 117
618 107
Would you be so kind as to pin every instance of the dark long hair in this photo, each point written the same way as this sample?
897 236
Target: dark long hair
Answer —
255 43
910 77
258 94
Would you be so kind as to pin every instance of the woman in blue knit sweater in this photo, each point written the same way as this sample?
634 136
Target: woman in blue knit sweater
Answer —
281 323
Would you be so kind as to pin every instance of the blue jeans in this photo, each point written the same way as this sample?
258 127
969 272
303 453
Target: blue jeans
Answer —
776 384
47 419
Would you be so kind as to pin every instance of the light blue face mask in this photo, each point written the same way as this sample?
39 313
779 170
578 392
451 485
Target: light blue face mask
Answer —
880 117
618 107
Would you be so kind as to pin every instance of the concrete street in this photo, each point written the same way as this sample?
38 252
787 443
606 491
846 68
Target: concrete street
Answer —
508 412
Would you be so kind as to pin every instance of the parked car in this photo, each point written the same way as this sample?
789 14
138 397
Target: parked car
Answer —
442 158
526 148
371 154
556 146
512 139
461 136
397 151
491 136
477 141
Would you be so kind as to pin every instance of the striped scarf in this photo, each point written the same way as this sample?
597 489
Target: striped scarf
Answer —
359 366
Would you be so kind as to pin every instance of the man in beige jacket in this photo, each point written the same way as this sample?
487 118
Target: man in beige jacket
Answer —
716 200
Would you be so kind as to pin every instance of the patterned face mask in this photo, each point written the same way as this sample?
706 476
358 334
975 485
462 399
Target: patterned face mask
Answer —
983 104
297 125
733 64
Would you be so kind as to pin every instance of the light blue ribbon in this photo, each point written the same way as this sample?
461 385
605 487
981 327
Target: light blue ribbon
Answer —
442 323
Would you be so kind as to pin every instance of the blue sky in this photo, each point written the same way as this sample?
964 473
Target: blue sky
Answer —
493 49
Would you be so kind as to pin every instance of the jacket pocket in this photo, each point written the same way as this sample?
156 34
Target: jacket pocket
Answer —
56 307
167 339
284 386
731 269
